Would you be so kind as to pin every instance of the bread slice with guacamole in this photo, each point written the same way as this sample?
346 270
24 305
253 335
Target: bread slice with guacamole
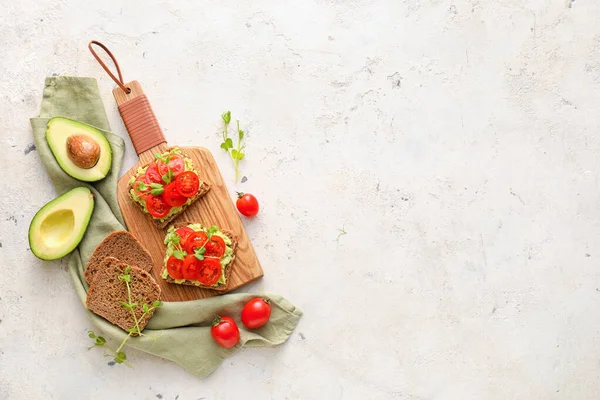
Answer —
199 255
165 187
122 246
109 292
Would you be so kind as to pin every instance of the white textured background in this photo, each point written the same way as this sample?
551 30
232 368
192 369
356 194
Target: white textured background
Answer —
457 142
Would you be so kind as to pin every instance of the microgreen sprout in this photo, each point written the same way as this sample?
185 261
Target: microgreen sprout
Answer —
117 354
236 153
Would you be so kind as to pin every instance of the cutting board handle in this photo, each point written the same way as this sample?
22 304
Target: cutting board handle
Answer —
134 107
139 119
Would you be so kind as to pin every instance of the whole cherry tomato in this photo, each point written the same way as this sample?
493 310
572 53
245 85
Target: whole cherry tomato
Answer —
225 332
256 313
247 204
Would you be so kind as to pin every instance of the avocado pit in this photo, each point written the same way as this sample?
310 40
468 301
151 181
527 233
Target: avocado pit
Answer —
83 151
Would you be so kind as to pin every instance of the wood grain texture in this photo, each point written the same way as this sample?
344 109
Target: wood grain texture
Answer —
214 208
122 97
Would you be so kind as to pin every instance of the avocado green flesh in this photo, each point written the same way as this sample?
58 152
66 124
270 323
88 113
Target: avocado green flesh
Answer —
226 259
59 129
58 227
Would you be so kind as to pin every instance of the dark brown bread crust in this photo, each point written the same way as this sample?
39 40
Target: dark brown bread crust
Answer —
107 291
123 246
228 268
202 190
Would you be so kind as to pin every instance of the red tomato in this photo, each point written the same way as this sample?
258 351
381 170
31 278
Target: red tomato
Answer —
152 174
172 197
216 247
174 267
136 185
194 241
188 184
191 267
157 207
183 233
176 165
256 313
247 204
210 271
225 332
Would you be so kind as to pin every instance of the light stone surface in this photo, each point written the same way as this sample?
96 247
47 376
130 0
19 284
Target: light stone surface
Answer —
457 142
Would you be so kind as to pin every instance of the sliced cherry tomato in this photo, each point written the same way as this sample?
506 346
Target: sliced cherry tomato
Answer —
225 332
210 271
156 206
247 204
191 267
256 313
172 197
194 241
174 267
152 174
141 180
216 247
188 184
183 234
176 165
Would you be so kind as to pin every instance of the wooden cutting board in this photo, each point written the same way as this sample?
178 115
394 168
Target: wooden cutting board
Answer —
214 208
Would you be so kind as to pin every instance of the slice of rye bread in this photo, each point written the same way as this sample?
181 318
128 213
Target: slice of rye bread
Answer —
202 190
122 246
228 268
107 292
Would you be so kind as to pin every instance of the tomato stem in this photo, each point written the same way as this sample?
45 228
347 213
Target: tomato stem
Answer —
240 194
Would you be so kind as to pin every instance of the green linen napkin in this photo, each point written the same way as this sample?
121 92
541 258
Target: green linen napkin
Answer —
178 331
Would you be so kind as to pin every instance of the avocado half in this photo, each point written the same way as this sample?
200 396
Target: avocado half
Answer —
58 227
60 131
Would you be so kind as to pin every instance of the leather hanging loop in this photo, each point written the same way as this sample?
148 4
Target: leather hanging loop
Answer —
118 81
134 107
